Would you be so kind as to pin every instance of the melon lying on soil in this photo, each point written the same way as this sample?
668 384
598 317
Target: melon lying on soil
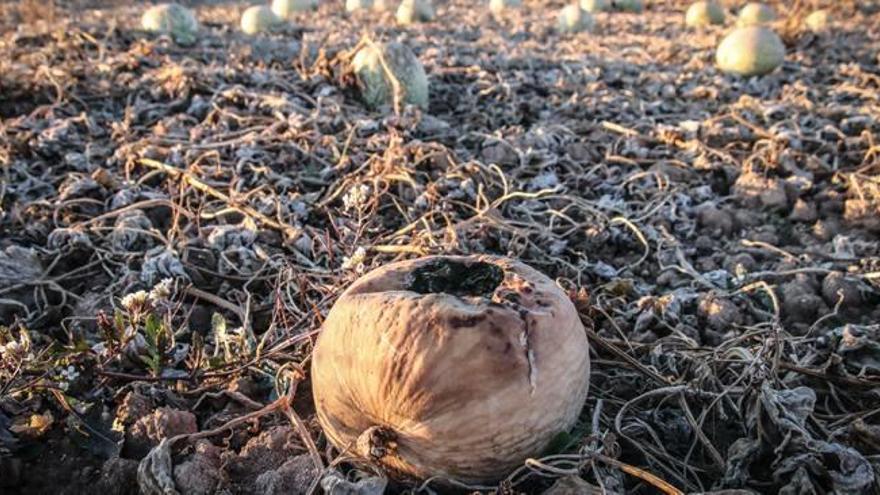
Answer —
380 67
174 20
259 19
356 5
593 6
498 7
451 366
755 13
750 51
629 5
818 20
574 19
412 11
286 8
704 13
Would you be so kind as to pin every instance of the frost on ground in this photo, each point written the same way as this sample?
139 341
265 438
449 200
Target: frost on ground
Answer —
177 220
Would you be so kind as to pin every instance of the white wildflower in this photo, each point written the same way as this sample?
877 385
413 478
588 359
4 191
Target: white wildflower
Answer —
356 197
68 375
10 349
135 301
17 348
355 261
162 291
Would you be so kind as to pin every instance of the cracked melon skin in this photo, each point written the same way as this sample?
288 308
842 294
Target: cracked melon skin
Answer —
174 20
704 13
750 51
259 19
376 87
754 14
573 19
464 385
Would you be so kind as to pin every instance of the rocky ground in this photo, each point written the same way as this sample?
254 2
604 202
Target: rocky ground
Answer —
177 221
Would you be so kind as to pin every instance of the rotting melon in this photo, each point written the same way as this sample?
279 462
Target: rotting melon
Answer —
390 71
286 8
413 11
574 19
259 19
451 367
750 51
755 13
174 20
704 13
593 6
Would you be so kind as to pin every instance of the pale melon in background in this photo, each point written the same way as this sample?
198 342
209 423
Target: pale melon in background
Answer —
574 19
355 5
704 13
259 19
498 7
755 13
286 8
412 11
375 81
594 6
750 51
174 20
818 20
629 5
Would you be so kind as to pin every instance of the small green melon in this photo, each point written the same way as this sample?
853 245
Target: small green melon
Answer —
750 51
286 8
498 7
704 13
174 20
574 19
818 20
413 11
629 5
593 6
754 14
375 81
259 19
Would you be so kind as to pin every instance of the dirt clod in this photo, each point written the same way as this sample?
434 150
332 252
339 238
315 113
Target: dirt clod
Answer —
164 422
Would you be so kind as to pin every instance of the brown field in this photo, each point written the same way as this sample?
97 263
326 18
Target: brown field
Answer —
719 236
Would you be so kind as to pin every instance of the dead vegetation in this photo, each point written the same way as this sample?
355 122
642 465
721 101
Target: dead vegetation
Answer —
176 223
